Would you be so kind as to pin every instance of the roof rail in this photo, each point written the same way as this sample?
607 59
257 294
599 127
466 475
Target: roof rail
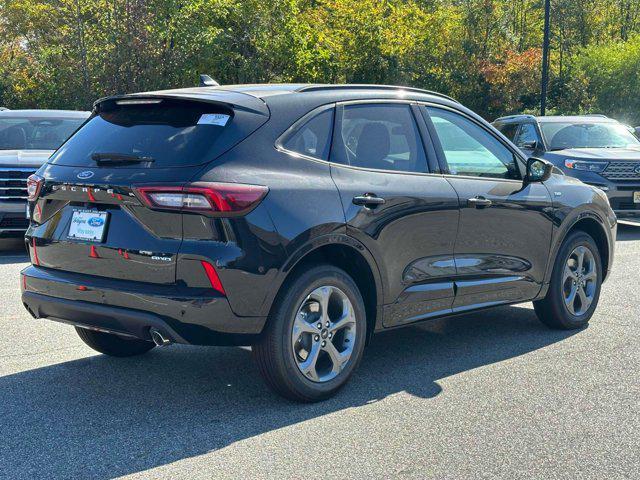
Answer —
364 86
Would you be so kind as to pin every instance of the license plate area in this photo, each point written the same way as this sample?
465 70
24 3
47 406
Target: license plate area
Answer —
636 197
88 225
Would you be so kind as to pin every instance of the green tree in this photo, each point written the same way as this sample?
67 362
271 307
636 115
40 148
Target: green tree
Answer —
67 53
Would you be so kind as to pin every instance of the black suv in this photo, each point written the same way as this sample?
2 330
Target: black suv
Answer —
598 150
300 219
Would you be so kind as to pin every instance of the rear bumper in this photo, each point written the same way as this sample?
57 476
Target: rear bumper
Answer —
132 308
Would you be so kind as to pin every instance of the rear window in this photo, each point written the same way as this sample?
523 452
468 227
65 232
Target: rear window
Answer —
36 133
382 136
160 132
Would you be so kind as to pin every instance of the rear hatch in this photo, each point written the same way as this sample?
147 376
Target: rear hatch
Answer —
90 216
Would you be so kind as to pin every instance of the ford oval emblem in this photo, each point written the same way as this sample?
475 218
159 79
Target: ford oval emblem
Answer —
86 174
95 222
637 169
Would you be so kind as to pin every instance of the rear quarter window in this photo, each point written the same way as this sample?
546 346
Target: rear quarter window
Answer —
313 137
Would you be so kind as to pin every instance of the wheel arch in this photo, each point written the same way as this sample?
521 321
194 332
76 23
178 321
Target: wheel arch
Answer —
343 252
590 223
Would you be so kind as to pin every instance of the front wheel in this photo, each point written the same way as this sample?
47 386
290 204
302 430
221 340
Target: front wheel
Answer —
575 284
315 337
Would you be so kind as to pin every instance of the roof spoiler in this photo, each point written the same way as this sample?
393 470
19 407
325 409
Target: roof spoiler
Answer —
207 81
235 100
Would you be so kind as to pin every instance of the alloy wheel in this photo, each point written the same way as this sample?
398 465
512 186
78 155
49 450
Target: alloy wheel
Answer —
323 334
579 281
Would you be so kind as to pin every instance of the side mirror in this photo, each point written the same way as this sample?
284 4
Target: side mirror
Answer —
530 145
538 170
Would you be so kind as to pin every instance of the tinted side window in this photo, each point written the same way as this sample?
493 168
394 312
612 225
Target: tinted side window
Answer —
526 134
314 137
508 130
381 136
471 150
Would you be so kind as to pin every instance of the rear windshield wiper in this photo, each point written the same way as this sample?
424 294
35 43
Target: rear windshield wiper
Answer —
119 158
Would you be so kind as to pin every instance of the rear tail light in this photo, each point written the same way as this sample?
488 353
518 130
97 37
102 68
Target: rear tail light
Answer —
34 185
214 198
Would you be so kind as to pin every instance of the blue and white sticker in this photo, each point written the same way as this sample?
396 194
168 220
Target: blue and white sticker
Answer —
219 119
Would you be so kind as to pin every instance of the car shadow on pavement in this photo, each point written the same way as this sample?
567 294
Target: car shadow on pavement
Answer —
103 417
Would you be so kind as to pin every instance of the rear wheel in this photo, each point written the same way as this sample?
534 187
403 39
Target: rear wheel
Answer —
575 284
315 337
114 345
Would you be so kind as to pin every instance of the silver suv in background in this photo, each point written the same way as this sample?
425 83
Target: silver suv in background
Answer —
27 140
595 149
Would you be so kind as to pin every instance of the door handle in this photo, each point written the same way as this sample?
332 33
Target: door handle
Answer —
368 200
479 202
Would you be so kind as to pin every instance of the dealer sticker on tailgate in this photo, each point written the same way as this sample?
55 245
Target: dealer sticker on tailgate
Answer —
88 225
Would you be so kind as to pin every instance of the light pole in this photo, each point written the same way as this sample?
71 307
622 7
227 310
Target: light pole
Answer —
545 58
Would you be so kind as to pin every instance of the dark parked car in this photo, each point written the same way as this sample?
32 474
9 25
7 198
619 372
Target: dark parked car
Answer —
598 150
300 219
27 139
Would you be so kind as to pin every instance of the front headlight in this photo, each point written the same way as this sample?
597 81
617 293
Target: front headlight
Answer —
585 165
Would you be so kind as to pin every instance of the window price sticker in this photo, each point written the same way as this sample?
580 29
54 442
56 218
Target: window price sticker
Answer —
219 119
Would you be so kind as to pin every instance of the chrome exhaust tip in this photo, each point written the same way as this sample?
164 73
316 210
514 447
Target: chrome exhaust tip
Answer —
158 338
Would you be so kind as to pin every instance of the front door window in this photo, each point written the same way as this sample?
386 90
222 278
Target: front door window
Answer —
469 149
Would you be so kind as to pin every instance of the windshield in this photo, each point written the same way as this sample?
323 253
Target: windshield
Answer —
559 135
36 133
162 133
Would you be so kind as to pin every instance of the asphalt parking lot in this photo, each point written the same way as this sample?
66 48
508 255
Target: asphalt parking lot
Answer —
489 395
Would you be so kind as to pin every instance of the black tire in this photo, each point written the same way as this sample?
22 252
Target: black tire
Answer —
114 345
274 352
552 310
